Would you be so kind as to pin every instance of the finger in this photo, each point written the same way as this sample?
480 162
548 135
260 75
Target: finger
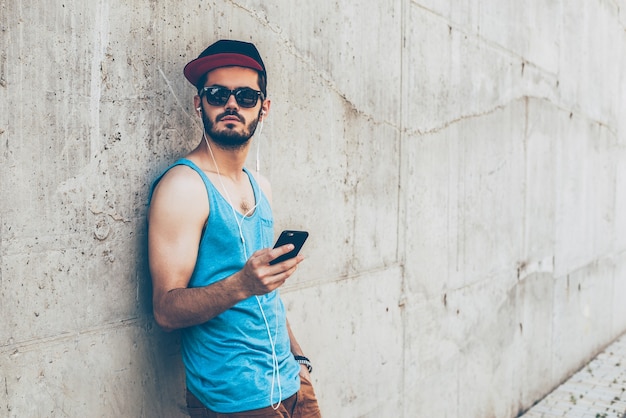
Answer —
283 249
289 264
279 251
284 269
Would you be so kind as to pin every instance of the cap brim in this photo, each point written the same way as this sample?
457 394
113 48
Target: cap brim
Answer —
195 69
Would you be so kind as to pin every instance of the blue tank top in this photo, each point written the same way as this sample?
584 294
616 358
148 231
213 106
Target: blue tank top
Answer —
228 360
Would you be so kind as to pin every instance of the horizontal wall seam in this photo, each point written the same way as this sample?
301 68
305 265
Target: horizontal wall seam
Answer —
33 344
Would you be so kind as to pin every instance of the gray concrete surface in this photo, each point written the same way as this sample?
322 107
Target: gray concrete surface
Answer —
459 166
596 391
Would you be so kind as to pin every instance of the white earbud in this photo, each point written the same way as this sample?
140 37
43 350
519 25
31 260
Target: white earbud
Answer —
198 108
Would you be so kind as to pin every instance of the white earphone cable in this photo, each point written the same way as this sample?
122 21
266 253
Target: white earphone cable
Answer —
258 147
275 364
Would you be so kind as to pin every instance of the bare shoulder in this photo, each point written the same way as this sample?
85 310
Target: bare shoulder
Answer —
176 216
264 184
181 191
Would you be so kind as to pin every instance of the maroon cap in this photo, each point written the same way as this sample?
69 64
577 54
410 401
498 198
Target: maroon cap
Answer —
224 53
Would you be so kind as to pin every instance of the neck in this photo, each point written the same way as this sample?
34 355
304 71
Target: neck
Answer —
226 162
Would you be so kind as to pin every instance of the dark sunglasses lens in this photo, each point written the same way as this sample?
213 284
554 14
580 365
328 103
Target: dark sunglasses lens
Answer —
246 97
217 96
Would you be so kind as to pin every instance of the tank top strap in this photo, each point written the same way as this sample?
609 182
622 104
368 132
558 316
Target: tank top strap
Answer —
184 161
256 188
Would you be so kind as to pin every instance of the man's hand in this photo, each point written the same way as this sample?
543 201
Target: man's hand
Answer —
258 277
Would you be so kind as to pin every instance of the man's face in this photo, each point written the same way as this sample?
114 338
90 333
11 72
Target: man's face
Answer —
231 126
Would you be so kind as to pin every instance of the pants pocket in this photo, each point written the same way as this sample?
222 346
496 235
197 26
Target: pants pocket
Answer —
307 406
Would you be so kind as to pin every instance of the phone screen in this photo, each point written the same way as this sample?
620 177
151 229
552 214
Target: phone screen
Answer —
296 238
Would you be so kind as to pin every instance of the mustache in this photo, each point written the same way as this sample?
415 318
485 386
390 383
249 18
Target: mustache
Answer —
230 113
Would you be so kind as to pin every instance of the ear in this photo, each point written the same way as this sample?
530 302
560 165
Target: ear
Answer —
265 109
197 102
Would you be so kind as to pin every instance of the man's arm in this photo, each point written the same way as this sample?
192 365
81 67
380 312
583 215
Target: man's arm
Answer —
178 212
296 350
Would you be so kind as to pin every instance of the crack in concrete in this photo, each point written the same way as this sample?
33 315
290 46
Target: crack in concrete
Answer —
178 102
15 348
324 76
498 107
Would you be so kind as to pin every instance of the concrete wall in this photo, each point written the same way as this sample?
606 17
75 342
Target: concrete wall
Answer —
460 166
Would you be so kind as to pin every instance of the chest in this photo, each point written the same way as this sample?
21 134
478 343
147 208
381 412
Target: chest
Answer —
238 193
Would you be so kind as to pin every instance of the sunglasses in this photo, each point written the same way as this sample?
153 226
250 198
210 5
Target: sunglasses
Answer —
218 95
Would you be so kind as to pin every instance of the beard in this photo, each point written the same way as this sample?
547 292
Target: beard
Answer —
229 139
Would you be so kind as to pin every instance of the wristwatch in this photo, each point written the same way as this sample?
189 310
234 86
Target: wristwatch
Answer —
305 361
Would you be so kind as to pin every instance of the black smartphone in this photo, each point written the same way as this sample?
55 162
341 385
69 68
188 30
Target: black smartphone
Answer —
296 238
